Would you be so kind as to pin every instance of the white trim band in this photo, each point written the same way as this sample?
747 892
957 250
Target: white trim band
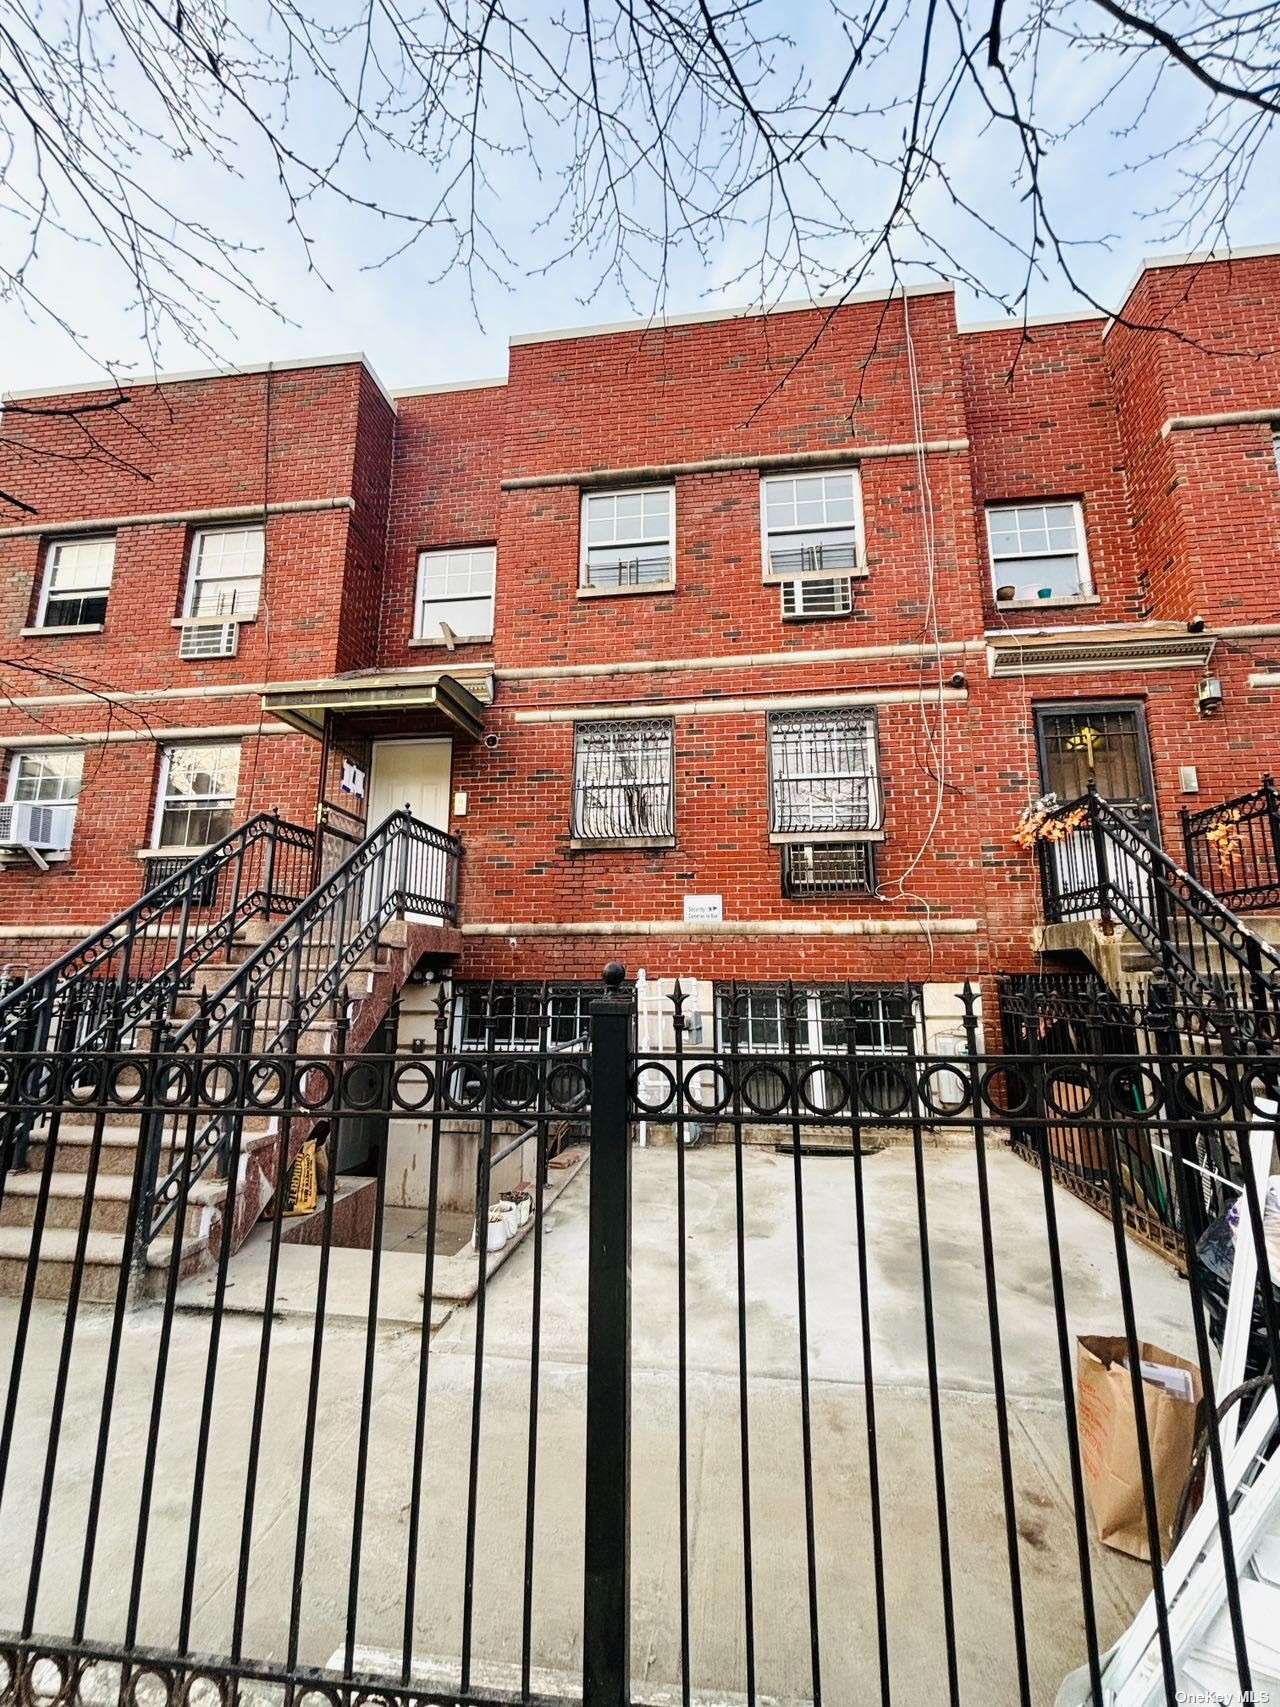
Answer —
1228 418
733 927
765 463
172 518
162 736
724 707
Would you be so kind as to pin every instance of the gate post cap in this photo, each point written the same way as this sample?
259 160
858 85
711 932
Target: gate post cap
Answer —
614 973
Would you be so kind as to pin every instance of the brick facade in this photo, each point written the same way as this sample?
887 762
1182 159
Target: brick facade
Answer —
1182 521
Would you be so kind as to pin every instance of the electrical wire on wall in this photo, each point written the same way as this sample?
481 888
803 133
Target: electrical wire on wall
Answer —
935 738
264 606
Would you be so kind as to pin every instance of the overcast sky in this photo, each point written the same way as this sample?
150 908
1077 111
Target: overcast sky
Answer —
418 328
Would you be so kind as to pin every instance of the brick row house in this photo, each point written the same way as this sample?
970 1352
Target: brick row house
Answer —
731 648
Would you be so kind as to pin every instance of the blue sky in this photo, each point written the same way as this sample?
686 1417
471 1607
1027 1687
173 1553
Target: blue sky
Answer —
420 328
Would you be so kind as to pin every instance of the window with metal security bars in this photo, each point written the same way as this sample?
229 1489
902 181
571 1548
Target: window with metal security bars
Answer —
197 795
1038 551
455 594
811 538
817 598
77 580
824 781
884 1017
816 870
628 538
225 579
623 780
524 1016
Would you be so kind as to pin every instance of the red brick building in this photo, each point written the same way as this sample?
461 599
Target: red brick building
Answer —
730 648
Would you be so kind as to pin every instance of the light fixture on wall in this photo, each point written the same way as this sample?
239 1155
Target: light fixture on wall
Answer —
1209 696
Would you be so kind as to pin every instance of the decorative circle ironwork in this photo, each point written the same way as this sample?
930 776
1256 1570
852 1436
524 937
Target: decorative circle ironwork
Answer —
1069 1093
884 1092
754 1090
650 1072
823 1090
568 1087
403 1077
696 1078
1006 1089
945 1104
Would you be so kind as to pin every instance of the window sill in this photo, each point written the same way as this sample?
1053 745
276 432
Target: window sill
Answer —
453 645
589 844
818 616
52 631
171 853
626 592
1057 602
799 838
198 621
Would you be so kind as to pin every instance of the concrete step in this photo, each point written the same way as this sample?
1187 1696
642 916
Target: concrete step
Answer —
104 1253
119 1146
109 1213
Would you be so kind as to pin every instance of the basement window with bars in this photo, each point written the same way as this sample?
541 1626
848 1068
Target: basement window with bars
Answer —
826 808
511 1016
623 781
77 581
811 537
833 1020
628 539
197 796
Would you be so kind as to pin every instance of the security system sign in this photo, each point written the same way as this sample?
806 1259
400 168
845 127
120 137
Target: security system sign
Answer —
703 909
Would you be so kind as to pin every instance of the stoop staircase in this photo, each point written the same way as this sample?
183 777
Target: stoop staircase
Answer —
1116 897
235 955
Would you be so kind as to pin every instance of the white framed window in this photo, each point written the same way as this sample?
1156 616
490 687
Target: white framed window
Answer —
225 576
51 777
195 805
455 594
824 774
811 540
77 580
624 780
628 538
1038 551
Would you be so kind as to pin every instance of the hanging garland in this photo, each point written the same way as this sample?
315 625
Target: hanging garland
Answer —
1041 821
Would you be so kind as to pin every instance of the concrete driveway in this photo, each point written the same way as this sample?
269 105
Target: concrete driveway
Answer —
846 1604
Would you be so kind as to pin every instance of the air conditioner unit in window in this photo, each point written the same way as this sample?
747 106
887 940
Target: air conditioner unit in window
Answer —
828 868
202 639
35 828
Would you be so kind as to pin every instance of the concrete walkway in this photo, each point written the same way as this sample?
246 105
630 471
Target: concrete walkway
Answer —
845 1593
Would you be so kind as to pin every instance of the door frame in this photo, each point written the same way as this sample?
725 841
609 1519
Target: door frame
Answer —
401 741
1041 710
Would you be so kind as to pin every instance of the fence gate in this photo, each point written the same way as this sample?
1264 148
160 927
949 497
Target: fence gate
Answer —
761 1385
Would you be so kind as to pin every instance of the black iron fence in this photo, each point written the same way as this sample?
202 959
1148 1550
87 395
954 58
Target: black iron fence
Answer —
824 1478
1233 848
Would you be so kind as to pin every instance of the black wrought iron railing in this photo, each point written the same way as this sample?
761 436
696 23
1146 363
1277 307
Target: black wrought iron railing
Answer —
137 964
1233 848
294 982
1097 863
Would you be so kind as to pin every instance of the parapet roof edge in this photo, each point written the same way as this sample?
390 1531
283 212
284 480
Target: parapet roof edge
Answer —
662 322
1194 258
196 375
1015 322
450 385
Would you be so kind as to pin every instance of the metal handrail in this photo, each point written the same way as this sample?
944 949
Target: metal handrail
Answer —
1233 848
149 950
292 978
1105 867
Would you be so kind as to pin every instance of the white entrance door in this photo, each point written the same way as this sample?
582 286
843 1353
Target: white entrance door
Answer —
413 774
